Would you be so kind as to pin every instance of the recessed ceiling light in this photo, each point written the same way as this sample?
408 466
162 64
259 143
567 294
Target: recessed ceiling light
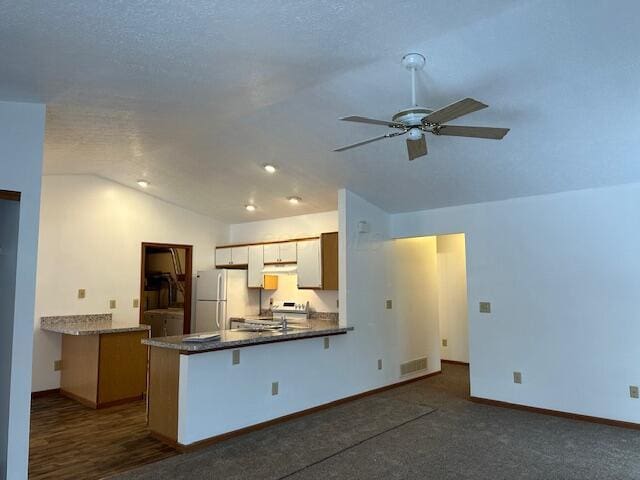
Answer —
294 200
250 207
143 183
270 168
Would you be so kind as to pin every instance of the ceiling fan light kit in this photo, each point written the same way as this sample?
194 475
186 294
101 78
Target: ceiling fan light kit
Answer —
416 121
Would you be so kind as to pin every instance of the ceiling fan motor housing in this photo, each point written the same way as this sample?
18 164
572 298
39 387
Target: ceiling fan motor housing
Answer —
412 117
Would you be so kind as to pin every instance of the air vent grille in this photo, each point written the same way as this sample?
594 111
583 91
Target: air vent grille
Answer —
413 366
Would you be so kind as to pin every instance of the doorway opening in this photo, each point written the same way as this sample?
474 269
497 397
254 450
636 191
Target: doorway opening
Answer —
431 293
166 288
9 220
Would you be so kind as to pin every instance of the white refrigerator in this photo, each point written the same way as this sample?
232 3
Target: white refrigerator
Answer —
220 295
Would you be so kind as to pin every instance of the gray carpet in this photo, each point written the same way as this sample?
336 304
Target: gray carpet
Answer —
394 435
287 448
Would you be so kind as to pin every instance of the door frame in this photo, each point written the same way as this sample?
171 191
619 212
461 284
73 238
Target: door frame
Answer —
188 272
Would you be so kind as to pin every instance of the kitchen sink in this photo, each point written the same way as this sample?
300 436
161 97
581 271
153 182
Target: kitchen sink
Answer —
269 328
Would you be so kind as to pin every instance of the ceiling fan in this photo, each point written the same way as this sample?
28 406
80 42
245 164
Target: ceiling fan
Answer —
416 121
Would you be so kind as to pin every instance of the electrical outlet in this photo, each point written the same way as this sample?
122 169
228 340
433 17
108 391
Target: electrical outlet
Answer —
633 391
444 342
57 365
485 307
389 304
379 364
136 303
81 293
235 357
326 343
112 304
274 388
517 377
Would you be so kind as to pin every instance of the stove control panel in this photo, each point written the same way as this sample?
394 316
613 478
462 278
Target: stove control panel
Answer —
290 307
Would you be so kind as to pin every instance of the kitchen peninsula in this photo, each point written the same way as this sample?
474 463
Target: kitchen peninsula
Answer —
201 392
103 362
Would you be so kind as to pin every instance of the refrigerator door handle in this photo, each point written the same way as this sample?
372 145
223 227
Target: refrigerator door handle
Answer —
220 286
218 314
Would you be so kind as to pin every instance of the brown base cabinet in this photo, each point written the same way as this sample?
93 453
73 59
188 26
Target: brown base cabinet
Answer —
104 369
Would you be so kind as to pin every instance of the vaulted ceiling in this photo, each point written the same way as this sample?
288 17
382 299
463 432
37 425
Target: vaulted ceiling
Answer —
196 95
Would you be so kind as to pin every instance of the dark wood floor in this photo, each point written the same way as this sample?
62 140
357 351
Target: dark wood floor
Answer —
70 441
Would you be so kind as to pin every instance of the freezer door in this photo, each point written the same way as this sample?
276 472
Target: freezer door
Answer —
206 312
211 285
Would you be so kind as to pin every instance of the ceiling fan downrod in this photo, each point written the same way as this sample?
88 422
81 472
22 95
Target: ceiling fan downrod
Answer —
413 62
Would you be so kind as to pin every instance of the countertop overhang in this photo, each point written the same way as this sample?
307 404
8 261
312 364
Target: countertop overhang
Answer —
93 324
235 339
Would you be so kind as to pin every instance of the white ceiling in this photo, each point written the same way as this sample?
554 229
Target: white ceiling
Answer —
196 95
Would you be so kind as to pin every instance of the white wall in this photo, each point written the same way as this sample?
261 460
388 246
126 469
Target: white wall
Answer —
299 226
21 141
369 269
561 273
452 297
91 232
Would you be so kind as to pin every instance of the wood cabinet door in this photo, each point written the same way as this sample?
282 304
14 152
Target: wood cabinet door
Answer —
240 255
288 252
255 278
223 257
309 264
271 252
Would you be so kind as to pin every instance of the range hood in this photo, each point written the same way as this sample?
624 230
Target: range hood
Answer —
287 269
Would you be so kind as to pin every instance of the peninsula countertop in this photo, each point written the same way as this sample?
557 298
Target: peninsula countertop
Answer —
88 325
234 339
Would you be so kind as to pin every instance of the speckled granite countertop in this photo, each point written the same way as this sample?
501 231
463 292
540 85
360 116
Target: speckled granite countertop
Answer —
234 339
88 324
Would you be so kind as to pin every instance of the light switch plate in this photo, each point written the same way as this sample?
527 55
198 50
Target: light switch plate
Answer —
389 304
485 307
274 388
326 343
444 342
633 391
136 303
517 377
235 357
112 304
57 365
81 293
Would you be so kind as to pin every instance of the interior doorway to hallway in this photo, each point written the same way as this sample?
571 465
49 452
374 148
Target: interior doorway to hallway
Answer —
430 290
452 298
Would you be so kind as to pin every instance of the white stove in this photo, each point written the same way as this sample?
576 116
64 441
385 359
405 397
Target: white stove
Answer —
294 312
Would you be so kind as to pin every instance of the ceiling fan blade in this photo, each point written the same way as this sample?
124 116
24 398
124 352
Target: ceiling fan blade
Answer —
416 148
372 121
364 142
475 132
455 110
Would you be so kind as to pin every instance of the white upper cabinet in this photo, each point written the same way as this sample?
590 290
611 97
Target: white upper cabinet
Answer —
223 256
288 252
309 264
271 252
255 278
280 252
232 256
240 255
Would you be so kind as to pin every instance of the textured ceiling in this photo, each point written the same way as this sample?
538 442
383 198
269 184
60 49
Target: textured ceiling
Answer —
196 95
